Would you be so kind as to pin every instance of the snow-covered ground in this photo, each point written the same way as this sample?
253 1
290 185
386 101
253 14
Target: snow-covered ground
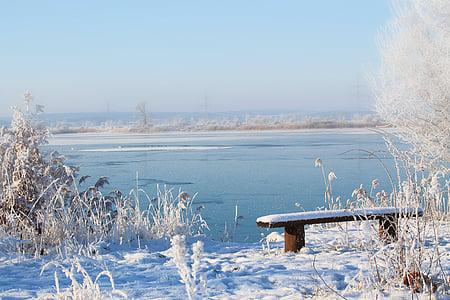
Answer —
233 271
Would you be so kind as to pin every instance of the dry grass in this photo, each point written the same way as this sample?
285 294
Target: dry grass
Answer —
414 260
86 288
43 206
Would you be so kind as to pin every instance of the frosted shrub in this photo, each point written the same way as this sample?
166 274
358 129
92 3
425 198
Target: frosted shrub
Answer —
165 215
172 215
417 256
86 289
30 183
39 198
43 207
189 269
22 175
414 259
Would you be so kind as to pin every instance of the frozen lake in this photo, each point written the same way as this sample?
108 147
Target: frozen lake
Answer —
260 172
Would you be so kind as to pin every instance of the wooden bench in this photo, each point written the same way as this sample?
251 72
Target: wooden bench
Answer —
294 223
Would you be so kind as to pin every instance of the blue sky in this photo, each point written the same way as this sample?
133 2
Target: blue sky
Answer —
244 55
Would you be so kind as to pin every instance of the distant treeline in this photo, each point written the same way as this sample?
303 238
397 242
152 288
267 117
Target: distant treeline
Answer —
218 122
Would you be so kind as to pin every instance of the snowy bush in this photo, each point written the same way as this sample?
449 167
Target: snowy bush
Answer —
172 215
412 260
43 207
40 201
165 215
29 181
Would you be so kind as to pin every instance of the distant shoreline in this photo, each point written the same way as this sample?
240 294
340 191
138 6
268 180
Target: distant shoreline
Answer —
105 137
216 128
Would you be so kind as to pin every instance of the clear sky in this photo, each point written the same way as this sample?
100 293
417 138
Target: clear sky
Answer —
81 56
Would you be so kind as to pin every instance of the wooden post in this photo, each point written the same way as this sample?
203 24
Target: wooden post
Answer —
387 231
294 238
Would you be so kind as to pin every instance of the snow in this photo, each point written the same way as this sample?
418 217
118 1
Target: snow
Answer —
233 271
314 215
274 237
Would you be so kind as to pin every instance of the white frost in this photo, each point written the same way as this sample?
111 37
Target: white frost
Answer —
314 215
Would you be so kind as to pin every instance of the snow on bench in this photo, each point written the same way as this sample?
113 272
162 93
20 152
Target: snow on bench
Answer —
321 216
293 223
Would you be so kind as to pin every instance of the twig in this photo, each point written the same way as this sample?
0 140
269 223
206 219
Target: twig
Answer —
323 280
371 153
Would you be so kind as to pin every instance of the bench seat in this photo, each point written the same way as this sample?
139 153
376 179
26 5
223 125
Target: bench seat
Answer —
294 222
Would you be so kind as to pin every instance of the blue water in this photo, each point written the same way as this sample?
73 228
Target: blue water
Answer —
260 172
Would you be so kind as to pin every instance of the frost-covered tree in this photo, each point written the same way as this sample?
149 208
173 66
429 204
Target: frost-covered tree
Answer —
413 84
143 114
413 95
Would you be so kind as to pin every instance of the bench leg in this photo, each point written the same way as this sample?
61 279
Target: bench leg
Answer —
294 238
387 231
